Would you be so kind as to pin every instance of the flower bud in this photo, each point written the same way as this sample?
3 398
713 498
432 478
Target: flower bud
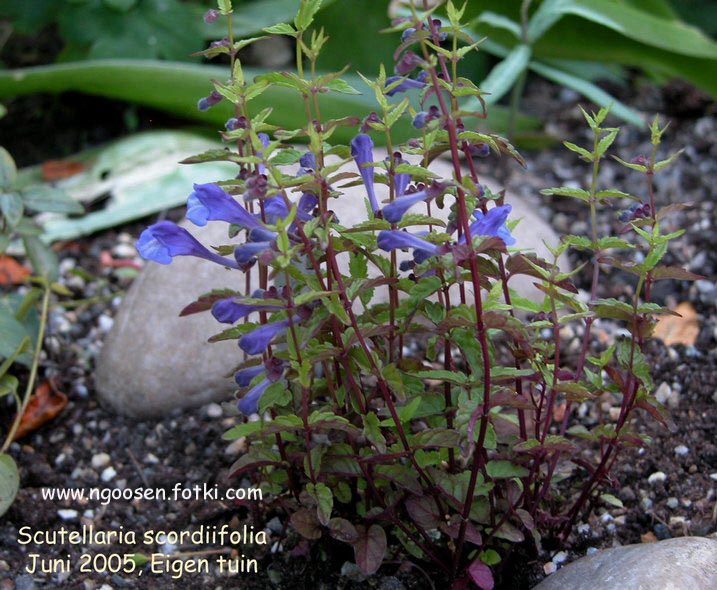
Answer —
211 16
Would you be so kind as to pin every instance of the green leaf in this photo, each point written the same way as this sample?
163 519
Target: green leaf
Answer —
8 385
276 395
437 437
503 469
669 34
307 11
324 501
11 207
372 431
48 199
13 333
504 76
501 22
9 482
240 430
564 191
281 29
339 85
612 500
8 170
589 91
43 259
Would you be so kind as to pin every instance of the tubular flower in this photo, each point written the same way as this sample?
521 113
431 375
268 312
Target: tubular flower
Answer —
249 404
362 151
164 240
256 341
230 310
394 211
394 239
493 224
406 84
245 253
208 202
244 377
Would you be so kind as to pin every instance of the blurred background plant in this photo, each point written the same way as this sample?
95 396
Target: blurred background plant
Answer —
573 43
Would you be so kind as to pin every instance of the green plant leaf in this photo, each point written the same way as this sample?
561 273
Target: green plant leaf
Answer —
44 260
502 469
48 199
9 482
504 76
8 170
11 208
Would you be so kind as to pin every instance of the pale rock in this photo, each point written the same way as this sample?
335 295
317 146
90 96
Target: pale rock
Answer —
100 460
682 563
108 474
153 361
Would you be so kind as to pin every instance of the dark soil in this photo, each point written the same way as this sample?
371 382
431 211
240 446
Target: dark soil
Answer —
187 447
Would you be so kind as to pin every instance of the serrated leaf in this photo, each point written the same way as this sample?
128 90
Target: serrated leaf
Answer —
341 86
437 437
565 191
241 430
281 29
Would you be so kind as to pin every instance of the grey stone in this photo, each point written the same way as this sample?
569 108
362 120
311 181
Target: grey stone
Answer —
153 361
686 563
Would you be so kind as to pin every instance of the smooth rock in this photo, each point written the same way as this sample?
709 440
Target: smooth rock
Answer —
153 361
686 563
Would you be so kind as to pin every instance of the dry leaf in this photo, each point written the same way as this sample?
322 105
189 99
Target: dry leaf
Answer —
648 537
59 169
679 330
12 272
44 405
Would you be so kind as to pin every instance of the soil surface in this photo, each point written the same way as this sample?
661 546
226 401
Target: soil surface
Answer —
667 488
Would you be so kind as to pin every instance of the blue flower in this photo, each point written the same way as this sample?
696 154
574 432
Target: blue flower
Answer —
306 206
208 102
249 404
362 151
164 240
256 341
394 239
407 84
264 140
230 310
492 224
394 211
208 202
308 161
275 209
245 253
244 377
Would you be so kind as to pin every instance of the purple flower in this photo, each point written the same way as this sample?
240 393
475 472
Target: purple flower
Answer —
264 140
208 202
407 84
244 377
306 206
492 224
275 208
207 102
308 161
362 151
245 253
394 239
249 404
211 16
408 62
230 310
407 33
256 341
394 211
164 240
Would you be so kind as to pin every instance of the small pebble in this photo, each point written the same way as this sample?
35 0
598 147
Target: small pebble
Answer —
67 514
681 450
662 531
550 568
151 459
24 582
105 323
560 557
673 503
100 460
646 504
713 476
591 550
108 474
657 477
214 411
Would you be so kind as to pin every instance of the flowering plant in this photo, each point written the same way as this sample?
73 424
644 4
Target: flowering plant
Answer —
451 453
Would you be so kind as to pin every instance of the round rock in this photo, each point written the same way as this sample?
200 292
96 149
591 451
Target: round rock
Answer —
684 563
